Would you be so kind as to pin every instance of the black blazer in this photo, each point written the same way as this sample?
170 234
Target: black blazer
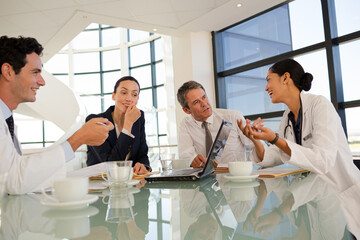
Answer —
115 149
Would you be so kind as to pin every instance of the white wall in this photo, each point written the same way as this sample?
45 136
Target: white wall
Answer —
192 60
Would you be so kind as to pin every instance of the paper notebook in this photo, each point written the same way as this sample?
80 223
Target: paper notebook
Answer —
278 172
272 172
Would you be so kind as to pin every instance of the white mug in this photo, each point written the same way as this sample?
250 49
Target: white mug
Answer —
240 168
118 172
68 189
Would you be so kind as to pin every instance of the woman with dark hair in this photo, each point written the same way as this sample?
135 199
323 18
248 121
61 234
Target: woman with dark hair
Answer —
310 134
128 137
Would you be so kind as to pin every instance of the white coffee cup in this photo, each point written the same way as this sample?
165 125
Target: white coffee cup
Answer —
118 172
240 168
68 189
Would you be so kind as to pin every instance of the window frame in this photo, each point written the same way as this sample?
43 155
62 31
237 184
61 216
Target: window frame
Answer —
331 46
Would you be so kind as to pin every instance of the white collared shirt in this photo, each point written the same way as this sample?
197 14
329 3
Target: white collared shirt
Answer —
30 172
6 114
192 135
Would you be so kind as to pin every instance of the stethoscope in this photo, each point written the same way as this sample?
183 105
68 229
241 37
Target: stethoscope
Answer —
301 121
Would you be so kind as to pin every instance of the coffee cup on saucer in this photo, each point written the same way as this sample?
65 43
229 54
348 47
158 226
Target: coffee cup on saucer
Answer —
241 164
240 168
68 189
118 172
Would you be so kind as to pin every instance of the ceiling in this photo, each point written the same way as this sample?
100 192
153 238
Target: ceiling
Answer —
54 23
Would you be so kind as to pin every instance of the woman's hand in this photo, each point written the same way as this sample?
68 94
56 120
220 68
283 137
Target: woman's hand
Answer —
249 130
140 169
245 129
132 115
259 132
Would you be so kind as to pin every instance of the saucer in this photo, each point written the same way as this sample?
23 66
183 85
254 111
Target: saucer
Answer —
70 205
241 178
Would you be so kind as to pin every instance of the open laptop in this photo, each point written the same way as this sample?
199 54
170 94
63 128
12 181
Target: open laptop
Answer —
195 174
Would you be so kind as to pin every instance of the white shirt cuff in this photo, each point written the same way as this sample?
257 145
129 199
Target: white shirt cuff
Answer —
69 153
127 133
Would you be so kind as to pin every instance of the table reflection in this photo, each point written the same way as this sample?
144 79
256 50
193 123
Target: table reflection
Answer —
293 207
123 214
25 216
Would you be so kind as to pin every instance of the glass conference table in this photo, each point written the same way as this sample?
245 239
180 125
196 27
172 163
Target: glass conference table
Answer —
299 206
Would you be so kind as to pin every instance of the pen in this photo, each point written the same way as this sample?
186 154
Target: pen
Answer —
101 123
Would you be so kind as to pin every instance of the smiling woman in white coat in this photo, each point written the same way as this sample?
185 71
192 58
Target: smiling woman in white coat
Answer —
310 134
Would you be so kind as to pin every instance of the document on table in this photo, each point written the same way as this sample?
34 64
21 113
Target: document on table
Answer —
275 172
91 171
271 172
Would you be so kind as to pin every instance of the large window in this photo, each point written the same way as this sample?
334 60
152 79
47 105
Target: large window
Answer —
328 49
91 64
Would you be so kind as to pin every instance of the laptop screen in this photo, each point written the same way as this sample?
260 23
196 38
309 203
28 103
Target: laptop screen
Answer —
217 147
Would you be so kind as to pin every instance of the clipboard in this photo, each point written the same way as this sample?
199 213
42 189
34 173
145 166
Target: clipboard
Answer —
272 172
278 172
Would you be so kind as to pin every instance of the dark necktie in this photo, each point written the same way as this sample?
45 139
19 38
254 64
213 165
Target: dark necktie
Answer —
208 138
10 123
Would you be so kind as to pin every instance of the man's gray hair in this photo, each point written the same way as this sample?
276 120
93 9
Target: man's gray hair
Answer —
184 89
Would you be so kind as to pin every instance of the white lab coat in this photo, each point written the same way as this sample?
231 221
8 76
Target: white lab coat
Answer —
324 148
31 172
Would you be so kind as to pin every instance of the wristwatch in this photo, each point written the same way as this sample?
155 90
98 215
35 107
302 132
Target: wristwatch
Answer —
275 139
